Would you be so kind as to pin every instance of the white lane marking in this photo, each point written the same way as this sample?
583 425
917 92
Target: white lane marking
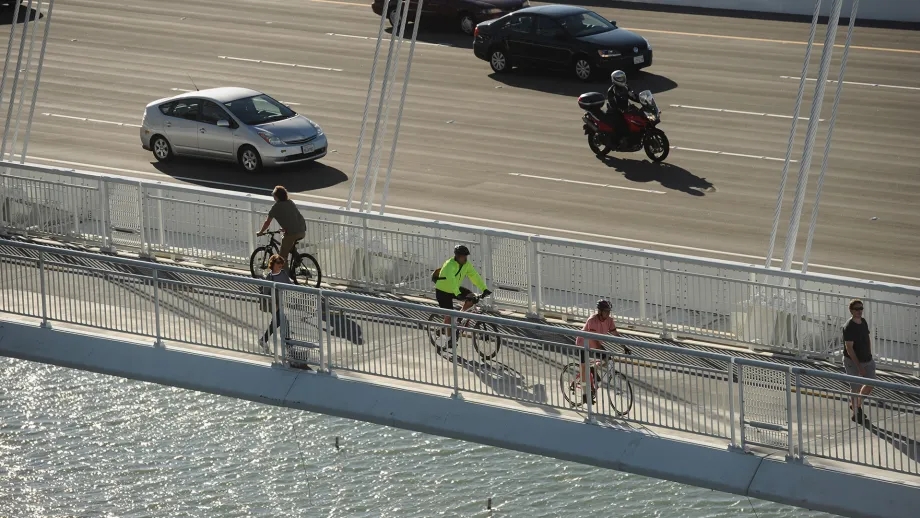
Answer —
295 65
798 78
738 112
585 183
499 224
371 38
726 153
85 119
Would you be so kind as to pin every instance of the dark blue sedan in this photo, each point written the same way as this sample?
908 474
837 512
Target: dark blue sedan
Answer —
560 37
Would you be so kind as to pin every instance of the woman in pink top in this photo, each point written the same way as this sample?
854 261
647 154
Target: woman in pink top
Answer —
601 323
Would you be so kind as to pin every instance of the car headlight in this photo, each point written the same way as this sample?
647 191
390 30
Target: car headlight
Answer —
647 43
608 53
525 3
492 10
271 139
319 131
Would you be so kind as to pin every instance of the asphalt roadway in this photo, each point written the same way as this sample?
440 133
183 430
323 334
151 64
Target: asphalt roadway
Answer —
489 150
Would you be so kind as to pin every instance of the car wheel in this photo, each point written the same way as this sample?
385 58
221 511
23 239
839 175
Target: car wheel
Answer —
467 24
249 159
499 61
582 68
162 151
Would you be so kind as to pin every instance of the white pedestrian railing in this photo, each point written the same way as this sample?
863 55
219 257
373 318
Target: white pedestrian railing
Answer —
669 293
749 403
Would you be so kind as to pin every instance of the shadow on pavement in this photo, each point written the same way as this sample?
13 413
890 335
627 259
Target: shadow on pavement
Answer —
560 83
667 175
6 14
502 379
902 443
434 32
296 178
735 13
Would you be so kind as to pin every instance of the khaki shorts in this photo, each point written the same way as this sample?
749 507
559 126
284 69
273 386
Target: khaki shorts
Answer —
851 369
287 244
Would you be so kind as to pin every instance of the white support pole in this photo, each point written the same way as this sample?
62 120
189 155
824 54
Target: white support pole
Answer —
402 103
805 165
9 49
25 80
830 134
367 103
386 110
791 143
383 87
38 78
9 114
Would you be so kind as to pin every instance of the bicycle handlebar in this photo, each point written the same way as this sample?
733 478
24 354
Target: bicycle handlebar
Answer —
271 232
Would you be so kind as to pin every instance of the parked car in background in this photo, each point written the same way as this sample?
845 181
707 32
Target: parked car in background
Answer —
464 14
232 124
560 37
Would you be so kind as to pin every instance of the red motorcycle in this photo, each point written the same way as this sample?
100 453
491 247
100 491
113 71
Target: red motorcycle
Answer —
642 123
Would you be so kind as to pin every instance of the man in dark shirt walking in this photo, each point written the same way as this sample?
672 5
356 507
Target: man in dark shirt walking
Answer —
289 219
857 357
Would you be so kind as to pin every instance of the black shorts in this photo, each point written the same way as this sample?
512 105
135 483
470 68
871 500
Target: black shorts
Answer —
596 354
446 300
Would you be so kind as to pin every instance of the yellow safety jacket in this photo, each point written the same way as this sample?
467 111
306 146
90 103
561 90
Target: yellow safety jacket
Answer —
451 275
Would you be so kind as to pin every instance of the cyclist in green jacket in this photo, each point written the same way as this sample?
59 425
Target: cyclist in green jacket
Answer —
449 277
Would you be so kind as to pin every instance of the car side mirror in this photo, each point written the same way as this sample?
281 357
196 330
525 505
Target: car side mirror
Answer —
614 22
223 123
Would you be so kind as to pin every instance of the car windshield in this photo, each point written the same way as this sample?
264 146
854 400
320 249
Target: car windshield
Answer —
586 24
259 109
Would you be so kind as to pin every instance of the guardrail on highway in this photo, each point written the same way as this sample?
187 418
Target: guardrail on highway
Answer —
749 403
669 293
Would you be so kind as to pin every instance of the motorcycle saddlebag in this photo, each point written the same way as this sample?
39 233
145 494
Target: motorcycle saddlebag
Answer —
591 101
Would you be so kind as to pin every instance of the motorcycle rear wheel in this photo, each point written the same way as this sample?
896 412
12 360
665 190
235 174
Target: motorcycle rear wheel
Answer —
657 146
598 146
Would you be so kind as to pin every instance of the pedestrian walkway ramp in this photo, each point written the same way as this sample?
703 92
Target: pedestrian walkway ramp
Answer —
771 430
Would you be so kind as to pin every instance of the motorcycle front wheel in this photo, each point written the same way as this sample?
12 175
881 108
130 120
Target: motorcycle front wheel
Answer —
657 146
598 145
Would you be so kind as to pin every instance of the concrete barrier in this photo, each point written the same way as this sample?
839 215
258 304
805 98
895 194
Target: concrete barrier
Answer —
879 10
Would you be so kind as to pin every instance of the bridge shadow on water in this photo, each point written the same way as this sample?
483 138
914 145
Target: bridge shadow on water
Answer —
303 177
667 175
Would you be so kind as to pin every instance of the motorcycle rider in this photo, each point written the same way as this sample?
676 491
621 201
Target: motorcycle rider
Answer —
618 97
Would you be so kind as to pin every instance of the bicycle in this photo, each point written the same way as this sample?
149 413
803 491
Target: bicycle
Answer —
482 343
620 397
303 267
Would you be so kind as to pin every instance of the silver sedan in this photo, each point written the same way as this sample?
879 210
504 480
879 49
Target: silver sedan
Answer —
232 124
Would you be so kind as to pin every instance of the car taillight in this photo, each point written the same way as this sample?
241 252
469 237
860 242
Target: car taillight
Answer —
476 32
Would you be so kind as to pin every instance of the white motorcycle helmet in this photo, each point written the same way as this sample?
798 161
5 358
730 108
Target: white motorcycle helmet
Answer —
618 77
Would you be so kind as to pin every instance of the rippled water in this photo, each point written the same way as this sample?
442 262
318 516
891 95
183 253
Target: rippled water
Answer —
74 443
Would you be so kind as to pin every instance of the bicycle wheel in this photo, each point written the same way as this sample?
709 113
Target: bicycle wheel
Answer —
258 261
619 392
306 271
437 339
486 344
572 385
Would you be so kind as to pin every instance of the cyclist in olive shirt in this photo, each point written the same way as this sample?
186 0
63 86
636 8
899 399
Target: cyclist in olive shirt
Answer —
289 219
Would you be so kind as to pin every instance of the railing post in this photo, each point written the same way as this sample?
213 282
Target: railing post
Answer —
663 315
741 402
44 290
253 224
731 402
160 223
276 314
363 271
319 330
158 342
537 263
642 287
104 208
586 380
328 312
454 339
142 201
487 270
790 455
798 407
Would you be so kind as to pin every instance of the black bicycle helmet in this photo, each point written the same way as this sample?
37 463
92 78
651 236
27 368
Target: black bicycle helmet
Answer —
461 250
602 305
